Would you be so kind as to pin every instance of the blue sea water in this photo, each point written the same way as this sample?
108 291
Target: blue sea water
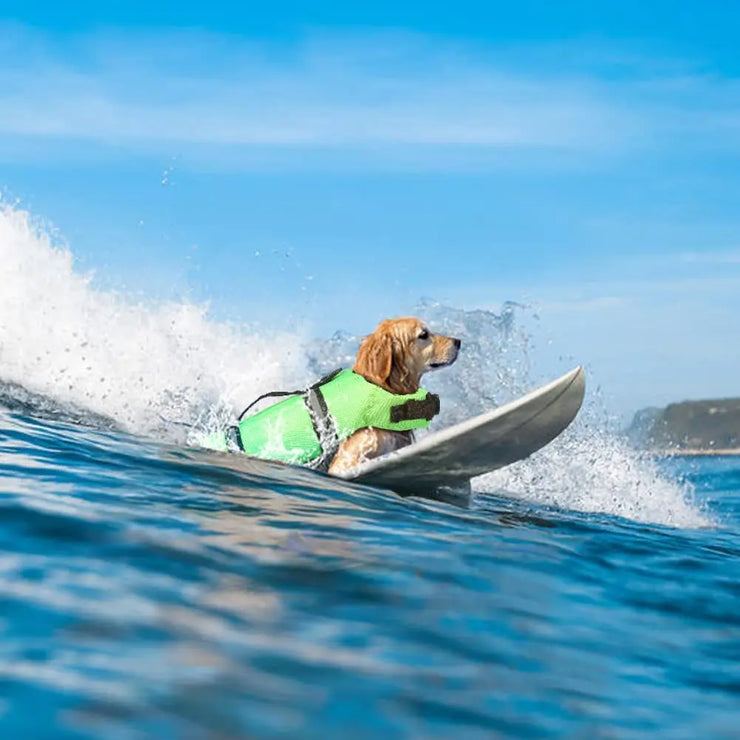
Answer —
147 590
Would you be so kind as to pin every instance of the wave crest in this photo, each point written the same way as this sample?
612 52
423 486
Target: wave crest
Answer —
152 367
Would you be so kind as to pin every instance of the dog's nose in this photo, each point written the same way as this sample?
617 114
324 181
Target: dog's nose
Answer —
457 343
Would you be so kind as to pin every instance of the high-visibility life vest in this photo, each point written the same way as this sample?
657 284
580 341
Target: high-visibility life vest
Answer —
306 427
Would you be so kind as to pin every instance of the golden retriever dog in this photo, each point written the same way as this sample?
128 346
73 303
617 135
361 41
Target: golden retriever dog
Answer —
394 356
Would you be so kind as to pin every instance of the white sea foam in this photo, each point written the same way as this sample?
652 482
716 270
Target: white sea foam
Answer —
589 470
138 363
133 362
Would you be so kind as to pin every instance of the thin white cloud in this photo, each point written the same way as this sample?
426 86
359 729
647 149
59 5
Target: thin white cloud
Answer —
712 257
383 90
403 100
609 292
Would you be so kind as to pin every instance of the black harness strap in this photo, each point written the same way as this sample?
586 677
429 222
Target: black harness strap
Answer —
413 409
271 394
281 394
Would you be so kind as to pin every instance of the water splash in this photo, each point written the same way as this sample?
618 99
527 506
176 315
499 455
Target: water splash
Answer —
588 468
152 367
135 363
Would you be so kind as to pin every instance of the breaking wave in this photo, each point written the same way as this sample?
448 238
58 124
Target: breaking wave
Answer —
71 351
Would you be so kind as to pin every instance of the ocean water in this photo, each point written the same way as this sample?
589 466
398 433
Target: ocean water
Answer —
149 588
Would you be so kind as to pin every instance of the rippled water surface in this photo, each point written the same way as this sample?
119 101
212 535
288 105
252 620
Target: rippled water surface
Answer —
151 591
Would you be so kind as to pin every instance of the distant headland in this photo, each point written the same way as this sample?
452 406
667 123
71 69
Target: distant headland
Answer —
710 427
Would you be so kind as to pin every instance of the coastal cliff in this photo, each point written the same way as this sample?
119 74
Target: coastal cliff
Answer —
689 427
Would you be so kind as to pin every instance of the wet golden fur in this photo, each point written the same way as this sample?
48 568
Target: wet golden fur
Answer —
394 356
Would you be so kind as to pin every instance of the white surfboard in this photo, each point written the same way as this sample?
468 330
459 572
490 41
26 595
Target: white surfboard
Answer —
448 459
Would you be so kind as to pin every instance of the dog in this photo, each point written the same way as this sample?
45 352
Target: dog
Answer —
394 357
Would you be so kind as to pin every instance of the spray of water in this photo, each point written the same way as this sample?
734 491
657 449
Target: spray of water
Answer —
588 468
147 365
136 363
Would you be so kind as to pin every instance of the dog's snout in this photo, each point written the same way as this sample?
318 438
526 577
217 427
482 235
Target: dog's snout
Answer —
457 343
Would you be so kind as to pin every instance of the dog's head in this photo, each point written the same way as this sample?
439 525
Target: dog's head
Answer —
400 351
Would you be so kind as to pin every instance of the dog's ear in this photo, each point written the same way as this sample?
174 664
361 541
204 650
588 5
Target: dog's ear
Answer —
375 358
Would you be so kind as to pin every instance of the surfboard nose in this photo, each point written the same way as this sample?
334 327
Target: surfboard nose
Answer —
578 382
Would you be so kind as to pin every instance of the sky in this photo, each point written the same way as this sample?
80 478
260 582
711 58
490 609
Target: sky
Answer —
329 164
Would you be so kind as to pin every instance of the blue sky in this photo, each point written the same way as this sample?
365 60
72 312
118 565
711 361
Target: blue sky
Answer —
332 164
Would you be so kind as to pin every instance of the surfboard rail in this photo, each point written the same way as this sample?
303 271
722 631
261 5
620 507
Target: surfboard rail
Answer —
506 434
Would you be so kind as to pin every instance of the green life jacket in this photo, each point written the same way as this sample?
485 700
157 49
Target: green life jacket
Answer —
307 427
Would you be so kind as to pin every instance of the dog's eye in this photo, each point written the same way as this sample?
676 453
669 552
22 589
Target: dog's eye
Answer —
424 334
